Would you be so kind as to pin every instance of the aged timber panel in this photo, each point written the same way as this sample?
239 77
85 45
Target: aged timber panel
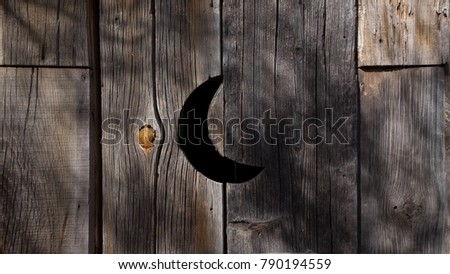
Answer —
403 32
152 58
447 149
43 32
45 160
187 45
286 62
403 198
127 98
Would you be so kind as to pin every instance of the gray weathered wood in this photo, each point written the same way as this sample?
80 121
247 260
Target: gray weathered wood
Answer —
189 215
44 116
337 158
1 33
295 59
403 198
403 32
43 32
128 173
152 58
447 151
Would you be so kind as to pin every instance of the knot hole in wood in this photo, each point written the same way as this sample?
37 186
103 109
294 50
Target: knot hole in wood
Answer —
146 137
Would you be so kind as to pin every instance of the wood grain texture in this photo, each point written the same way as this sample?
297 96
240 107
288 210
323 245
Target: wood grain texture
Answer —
152 59
129 175
289 61
403 192
403 32
187 40
43 32
447 150
44 117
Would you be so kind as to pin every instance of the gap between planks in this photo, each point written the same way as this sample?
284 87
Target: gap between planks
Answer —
389 68
95 131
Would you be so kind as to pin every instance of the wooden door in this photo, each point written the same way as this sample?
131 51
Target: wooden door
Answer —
348 102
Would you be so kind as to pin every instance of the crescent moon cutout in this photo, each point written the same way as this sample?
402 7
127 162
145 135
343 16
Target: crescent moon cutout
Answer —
194 141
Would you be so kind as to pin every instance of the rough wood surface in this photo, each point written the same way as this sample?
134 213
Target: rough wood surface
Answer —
447 150
43 32
294 59
152 58
403 198
44 156
403 32
187 40
129 175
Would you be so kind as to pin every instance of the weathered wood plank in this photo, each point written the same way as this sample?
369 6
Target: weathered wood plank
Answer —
281 56
189 215
1 34
337 107
447 150
44 117
152 58
129 174
43 32
403 32
403 192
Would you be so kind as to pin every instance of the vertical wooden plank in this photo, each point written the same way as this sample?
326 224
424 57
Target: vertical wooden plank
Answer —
187 45
403 192
2 26
129 174
45 160
447 149
256 221
403 32
154 53
43 32
280 57
337 108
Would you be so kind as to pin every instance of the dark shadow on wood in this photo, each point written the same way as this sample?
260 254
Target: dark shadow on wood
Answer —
44 185
295 59
402 162
41 32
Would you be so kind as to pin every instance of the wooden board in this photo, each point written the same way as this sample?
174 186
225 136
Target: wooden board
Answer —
44 156
152 59
337 106
447 150
294 59
403 192
187 41
128 173
403 32
43 32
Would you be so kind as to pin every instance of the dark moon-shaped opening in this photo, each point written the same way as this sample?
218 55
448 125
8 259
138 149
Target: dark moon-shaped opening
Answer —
194 141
